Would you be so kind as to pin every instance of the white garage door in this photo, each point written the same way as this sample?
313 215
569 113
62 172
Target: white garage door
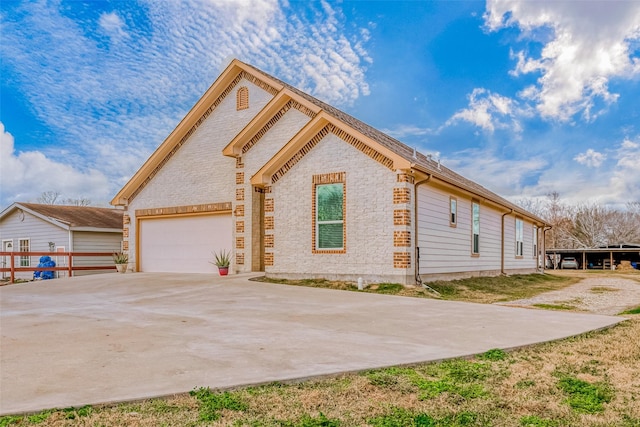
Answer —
183 244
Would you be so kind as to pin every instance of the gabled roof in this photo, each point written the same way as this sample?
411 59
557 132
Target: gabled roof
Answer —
77 218
418 161
402 156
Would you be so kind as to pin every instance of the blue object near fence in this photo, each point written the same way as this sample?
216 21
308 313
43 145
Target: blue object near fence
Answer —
45 261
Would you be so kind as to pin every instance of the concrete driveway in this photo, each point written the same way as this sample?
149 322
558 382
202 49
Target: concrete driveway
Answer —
115 337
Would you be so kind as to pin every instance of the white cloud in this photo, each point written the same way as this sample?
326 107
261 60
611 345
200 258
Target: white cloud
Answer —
588 44
535 177
625 182
615 184
110 103
506 177
403 131
112 25
590 158
26 175
489 111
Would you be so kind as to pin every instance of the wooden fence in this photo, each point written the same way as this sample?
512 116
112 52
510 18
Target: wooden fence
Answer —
68 256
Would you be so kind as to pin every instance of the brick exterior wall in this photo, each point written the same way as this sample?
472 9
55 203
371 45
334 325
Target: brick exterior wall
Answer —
402 213
256 155
198 173
369 218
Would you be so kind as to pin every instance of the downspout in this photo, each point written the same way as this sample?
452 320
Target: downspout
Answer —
415 225
502 244
545 228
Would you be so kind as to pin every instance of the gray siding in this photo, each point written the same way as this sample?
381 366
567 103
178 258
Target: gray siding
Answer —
39 232
88 241
446 250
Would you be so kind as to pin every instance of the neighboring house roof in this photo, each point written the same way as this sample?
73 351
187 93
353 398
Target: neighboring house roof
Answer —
77 218
409 158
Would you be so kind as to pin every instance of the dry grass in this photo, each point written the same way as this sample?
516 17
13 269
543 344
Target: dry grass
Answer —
477 289
583 274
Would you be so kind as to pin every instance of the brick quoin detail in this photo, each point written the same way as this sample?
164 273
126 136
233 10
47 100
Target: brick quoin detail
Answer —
239 242
240 210
268 205
268 241
401 195
239 177
239 163
239 193
404 177
239 226
401 260
268 259
240 258
267 189
268 223
402 238
125 232
125 245
126 219
401 217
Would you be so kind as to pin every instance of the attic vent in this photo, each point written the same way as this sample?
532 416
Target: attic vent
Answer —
242 98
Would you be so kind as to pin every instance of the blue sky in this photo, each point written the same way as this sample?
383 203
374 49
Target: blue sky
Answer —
525 98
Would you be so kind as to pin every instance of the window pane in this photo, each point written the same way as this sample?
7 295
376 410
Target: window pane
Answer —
25 261
476 218
330 202
330 236
453 211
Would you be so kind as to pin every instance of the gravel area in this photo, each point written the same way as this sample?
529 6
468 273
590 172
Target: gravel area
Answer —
601 295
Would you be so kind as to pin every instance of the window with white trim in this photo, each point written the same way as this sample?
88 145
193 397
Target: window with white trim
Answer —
475 228
329 216
23 246
535 241
453 211
519 237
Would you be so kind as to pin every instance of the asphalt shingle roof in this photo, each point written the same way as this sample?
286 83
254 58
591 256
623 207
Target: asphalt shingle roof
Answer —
79 216
425 163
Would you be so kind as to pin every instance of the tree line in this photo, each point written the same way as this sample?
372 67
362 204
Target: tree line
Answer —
585 225
54 198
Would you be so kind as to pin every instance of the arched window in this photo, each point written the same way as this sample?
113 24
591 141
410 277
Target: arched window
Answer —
242 98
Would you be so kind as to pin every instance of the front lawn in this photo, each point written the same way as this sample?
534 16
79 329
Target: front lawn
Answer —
477 289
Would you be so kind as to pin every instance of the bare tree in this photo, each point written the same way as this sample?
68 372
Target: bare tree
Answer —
591 226
82 201
49 197
53 198
624 226
558 215
586 225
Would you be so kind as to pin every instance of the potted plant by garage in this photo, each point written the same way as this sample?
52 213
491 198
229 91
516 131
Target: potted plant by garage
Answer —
122 260
222 261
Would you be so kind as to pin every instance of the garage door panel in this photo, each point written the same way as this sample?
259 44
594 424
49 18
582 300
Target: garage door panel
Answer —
183 244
